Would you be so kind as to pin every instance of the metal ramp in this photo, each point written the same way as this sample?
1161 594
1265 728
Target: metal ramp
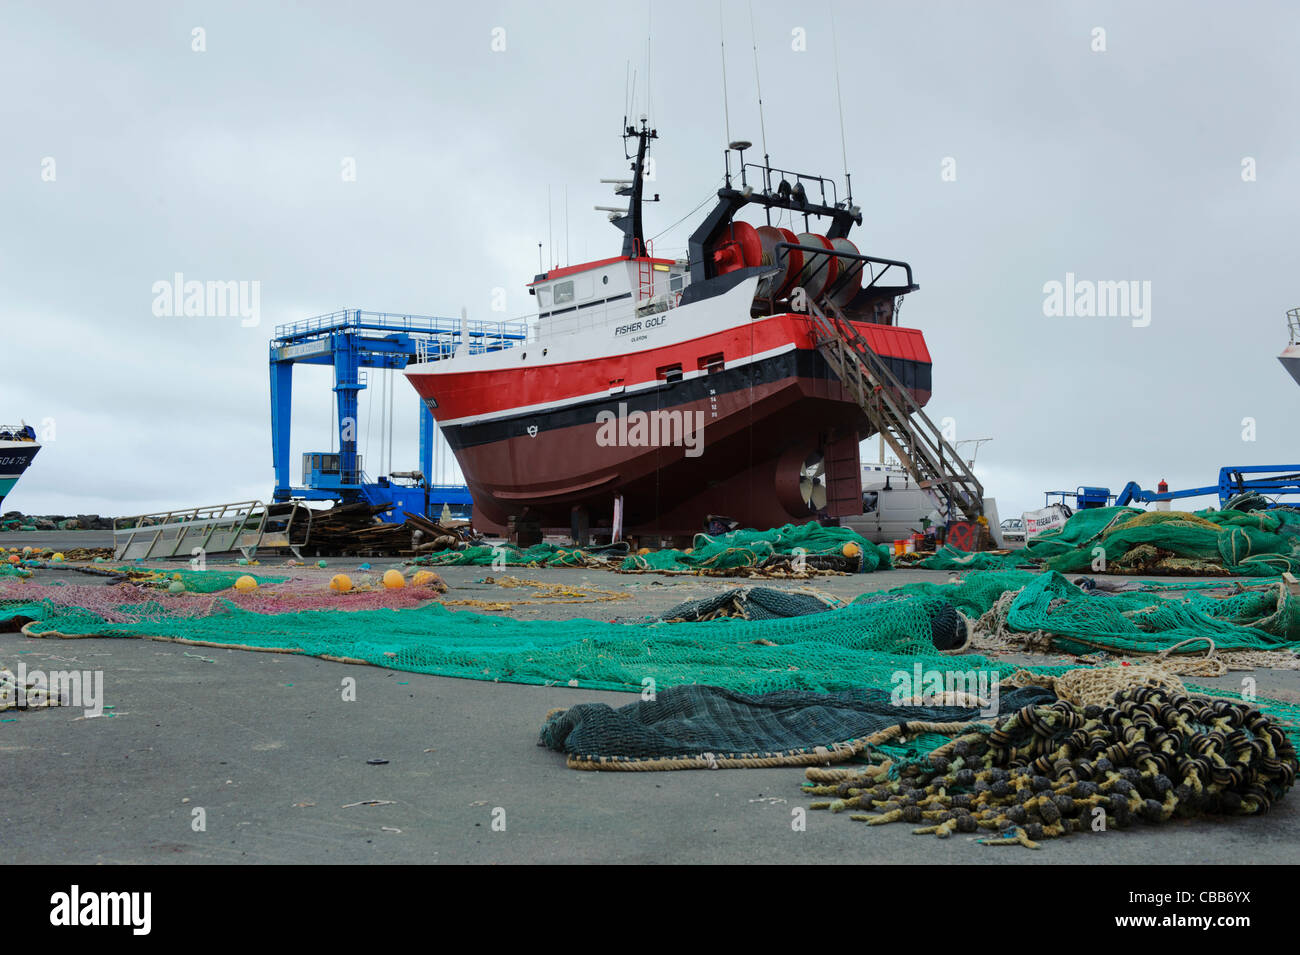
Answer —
909 432
243 526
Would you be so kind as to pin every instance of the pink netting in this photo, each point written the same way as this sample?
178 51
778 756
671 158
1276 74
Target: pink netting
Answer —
129 603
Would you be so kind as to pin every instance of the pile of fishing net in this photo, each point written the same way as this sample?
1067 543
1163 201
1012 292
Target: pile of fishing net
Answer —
948 557
1259 543
1200 629
709 727
1050 769
791 549
1040 762
1084 619
751 603
1124 540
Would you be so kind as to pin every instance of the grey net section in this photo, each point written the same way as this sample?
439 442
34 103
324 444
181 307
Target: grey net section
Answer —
696 720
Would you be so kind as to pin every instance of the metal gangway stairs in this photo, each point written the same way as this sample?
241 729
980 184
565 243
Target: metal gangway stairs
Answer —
918 443
212 529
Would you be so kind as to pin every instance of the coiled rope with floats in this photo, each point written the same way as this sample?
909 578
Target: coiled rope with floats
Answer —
1058 768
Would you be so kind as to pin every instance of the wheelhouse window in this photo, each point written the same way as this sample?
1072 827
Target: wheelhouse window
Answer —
563 292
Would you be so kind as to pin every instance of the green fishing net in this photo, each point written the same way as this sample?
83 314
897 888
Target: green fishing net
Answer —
863 644
749 548
1209 542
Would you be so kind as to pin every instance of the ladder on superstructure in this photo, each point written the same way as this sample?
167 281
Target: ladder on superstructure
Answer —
920 445
645 276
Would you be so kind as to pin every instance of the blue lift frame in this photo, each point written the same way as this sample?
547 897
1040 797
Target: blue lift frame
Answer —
1084 497
1283 479
349 340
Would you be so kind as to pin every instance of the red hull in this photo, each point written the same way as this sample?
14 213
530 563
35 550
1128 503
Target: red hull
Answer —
760 421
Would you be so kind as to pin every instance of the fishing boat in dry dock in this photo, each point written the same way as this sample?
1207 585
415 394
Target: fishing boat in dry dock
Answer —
1290 357
18 446
650 393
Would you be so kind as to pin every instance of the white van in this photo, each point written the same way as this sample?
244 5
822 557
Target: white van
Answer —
893 507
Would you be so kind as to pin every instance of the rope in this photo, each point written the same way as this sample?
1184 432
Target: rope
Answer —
1087 687
544 594
58 635
1050 770
32 699
807 756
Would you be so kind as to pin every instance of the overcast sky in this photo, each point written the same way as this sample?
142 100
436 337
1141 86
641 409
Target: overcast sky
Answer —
1128 163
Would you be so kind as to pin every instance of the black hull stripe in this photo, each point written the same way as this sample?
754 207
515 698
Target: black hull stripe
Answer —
800 363
17 459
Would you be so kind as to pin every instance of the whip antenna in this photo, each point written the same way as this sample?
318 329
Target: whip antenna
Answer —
649 89
726 110
627 74
839 102
758 85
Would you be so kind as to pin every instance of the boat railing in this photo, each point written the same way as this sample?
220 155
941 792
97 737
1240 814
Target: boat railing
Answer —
784 177
1293 323
361 319
870 267
476 335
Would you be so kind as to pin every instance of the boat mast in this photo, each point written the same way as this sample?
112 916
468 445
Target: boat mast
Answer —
631 224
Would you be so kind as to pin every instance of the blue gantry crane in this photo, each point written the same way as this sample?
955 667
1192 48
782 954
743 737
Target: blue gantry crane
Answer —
1084 497
1270 480
351 340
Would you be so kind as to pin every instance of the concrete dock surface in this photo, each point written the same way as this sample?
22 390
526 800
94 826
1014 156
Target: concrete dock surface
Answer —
264 745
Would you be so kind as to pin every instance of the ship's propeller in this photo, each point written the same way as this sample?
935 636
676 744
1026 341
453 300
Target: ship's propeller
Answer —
812 482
